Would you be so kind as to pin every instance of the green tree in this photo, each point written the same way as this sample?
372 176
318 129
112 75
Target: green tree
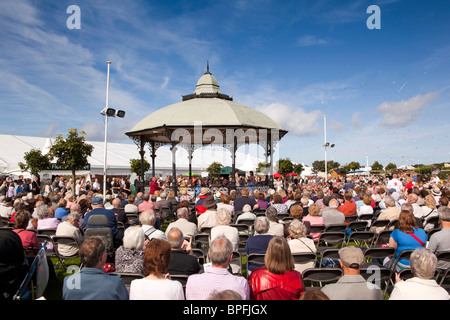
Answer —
298 168
214 169
391 166
71 153
285 166
319 165
376 166
35 162
263 167
354 165
135 165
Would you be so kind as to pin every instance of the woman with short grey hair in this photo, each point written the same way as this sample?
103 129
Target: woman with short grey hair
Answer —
258 243
299 243
276 228
130 256
422 286
223 219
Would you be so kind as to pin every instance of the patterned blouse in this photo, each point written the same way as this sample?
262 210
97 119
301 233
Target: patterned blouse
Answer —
129 260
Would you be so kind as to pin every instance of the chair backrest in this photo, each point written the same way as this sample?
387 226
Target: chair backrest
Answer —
317 228
379 223
357 225
433 220
321 275
49 232
200 255
382 237
65 240
331 238
331 253
206 230
97 220
365 216
240 227
127 277
362 238
236 263
256 258
201 239
335 227
106 233
379 253
182 278
351 218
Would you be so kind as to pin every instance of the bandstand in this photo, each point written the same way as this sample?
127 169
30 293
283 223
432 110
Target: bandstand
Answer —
206 117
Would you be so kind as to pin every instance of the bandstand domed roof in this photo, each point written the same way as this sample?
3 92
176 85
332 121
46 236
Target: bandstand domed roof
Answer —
207 106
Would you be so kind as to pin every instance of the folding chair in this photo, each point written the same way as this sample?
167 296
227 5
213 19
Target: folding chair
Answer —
321 275
380 254
332 253
330 239
336 228
182 278
432 231
206 230
201 241
443 256
255 258
68 241
127 277
361 238
357 226
381 238
236 263
201 258
39 272
48 232
380 223
316 228
133 219
351 218
50 251
434 221
248 222
98 226
445 280
378 276
242 228
304 260
365 217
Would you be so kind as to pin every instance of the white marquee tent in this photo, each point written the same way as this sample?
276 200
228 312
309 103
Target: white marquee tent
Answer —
13 148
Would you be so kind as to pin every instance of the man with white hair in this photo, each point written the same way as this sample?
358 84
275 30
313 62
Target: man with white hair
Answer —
148 219
188 228
333 215
69 228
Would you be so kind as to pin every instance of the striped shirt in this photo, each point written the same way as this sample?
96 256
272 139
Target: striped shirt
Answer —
201 286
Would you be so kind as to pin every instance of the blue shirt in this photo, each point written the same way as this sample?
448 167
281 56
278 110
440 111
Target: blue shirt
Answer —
406 242
94 284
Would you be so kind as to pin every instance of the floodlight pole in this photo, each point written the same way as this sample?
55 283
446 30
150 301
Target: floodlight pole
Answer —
325 145
106 130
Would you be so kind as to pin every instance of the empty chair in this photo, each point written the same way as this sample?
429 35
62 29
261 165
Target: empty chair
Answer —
357 226
49 232
380 225
376 255
321 275
351 218
304 260
330 239
336 228
361 238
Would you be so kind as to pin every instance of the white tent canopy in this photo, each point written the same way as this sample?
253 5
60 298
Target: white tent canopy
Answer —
13 148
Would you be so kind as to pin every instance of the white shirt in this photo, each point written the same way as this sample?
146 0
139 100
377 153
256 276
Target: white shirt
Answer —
231 233
418 289
148 289
396 184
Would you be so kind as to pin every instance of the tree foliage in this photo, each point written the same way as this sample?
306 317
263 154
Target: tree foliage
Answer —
285 166
391 166
135 165
298 168
214 169
71 153
376 166
35 162
319 165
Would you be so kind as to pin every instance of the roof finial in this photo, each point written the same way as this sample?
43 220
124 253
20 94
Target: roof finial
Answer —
207 67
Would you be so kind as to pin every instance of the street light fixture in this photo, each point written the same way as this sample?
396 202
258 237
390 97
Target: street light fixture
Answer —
108 112
326 145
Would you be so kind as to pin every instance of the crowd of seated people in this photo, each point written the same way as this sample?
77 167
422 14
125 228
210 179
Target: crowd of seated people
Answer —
154 243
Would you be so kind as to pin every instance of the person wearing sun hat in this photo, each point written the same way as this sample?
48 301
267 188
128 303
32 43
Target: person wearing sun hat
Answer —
352 285
208 218
204 192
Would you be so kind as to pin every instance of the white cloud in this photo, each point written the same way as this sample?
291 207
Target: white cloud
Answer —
400 113
296 120
310 40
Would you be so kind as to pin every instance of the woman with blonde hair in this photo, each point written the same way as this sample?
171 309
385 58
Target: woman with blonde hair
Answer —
314 219
428 211
278 279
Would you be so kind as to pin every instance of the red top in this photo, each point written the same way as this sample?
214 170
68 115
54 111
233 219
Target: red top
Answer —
265 285
153 187
348 208
29 239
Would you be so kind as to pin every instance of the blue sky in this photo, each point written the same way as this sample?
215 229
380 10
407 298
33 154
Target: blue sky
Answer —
384 91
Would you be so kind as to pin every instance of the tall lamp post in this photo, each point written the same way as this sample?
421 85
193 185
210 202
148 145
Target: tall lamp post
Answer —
326 145
108 112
